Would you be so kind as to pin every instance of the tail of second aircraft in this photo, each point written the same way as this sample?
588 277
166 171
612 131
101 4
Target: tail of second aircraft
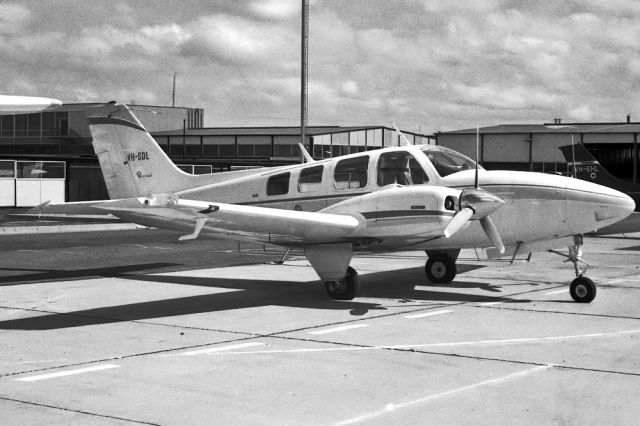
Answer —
132 163
584 166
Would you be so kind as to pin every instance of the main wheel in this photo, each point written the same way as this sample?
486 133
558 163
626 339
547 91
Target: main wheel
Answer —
346 289
440 268
583 290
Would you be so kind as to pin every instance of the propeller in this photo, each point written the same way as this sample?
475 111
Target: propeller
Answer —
477 204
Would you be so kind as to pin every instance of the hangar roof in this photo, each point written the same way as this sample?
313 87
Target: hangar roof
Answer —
555 128
272 131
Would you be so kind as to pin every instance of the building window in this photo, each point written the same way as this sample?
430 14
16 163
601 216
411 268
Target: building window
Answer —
352 173
6 121
7 169
40 169
62 123
310 179
278 184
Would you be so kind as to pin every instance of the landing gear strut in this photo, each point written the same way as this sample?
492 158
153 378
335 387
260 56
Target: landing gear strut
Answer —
582 289
345 289
441 267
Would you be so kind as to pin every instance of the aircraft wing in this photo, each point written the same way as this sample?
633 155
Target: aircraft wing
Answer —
394 217
222 220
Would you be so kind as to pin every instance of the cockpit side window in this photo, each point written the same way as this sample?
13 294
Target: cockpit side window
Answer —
351 173
278 184
400 167
310 179
447 161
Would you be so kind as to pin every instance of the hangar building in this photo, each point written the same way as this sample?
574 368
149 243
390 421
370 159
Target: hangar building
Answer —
535 146
48 155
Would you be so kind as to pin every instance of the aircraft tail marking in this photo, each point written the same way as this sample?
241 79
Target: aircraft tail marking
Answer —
132 163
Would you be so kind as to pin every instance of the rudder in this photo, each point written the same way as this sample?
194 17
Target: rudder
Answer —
132 163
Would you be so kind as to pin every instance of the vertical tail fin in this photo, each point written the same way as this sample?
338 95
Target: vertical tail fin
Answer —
584 166
132 163
588 168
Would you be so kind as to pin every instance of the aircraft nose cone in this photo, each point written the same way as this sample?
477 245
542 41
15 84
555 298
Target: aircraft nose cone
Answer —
617 207
626 205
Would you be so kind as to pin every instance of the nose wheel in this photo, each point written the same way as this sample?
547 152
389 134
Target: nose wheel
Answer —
583 290
345 289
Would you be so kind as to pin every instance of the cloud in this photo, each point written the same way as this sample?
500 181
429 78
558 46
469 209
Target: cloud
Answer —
13 18
237 39
439 64
350 88
499 97
276 9
473 6
582 113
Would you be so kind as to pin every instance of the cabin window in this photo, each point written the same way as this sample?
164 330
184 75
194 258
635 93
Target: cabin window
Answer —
310 179
278 184
400 167
352 173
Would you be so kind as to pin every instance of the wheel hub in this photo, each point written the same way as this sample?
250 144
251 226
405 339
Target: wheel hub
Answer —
581 290
438 269
336 286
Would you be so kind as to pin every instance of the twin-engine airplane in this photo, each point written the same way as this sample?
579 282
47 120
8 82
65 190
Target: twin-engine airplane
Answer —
425 198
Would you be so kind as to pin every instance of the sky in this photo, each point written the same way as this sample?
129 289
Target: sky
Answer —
428 65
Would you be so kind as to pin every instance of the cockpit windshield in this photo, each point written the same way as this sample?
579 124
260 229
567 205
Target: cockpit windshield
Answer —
447 161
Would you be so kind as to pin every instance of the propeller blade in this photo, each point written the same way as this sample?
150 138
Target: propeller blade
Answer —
482 202
492 232
458 221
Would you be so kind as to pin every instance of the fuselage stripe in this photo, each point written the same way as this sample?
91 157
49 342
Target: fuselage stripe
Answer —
387 214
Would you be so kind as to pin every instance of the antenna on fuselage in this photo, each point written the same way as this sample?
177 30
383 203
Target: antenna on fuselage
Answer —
402 136
573 154
479 204
477 150
305 153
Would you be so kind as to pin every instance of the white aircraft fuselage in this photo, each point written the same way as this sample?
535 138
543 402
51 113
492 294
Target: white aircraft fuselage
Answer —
537 206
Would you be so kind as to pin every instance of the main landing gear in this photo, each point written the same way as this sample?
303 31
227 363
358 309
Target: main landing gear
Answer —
441 266
345 289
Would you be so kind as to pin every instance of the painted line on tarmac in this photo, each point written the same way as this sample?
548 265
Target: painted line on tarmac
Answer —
427 314
491 303
218 349
433 345
67 373
564 290
338 329
393 406
520 340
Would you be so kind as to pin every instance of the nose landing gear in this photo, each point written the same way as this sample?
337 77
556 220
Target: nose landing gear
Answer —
582 289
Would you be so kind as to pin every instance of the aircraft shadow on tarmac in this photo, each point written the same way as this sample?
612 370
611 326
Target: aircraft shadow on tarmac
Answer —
632 248
257 293
40 275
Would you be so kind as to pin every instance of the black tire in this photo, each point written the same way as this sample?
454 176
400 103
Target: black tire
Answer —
346 289
583 290
440 269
